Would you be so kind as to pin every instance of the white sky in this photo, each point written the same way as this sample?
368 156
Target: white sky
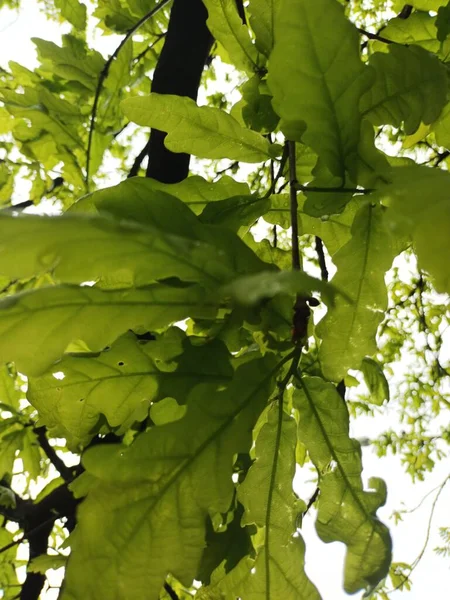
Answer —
324 562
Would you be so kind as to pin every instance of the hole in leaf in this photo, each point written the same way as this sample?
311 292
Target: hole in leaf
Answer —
59 375
121 363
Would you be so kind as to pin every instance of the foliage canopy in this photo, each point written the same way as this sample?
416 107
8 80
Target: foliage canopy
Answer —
179 364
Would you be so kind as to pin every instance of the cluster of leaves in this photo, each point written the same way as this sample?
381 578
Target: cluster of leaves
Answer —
171 350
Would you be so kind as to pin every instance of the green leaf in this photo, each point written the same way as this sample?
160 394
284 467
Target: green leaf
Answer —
418 29
419 208
226 26
419 4
262 17
277 571
203 131
30 453
10 443
348 329
238 213
161 212
441 128
79 248
9 391
375 380
317 80
333 230
224 546
443 22
73 61
195 191
121 383
166 411
346 512
148 502
410 87
44 562
74 11
268 284
37 326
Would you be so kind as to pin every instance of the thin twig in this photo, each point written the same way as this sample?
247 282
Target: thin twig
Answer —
65 472
25 536
140 56
171 592
138 160
376 36
103 75
280 171
311 500
321 257
427 538
334 190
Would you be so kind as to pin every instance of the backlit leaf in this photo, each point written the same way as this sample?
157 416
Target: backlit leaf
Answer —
37 326
149 502
375 380
348 329
262 17
419 208
346 512
410 87
80 248
227 28
317 80
204 131
277 571
121 383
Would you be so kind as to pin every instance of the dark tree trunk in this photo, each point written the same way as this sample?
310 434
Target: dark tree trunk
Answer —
179 70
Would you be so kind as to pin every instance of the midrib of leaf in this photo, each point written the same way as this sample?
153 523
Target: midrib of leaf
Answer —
192 458
399 94
98 380
360 280
328 93
330 446
108 304
276 455
225 136
273 476
236 37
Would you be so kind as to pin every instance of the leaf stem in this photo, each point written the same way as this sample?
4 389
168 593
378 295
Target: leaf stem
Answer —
293 186
276 455
334 190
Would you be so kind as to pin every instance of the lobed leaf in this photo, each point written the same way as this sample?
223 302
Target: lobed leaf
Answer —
348 329
277 570
262 21
375 380
268 284
79 248
346 512
121 383
410 87
227 27
149 502
37 326
419 208
317 80
203 131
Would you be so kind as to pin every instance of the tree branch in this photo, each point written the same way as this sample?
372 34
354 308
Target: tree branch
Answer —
179 70
65 471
